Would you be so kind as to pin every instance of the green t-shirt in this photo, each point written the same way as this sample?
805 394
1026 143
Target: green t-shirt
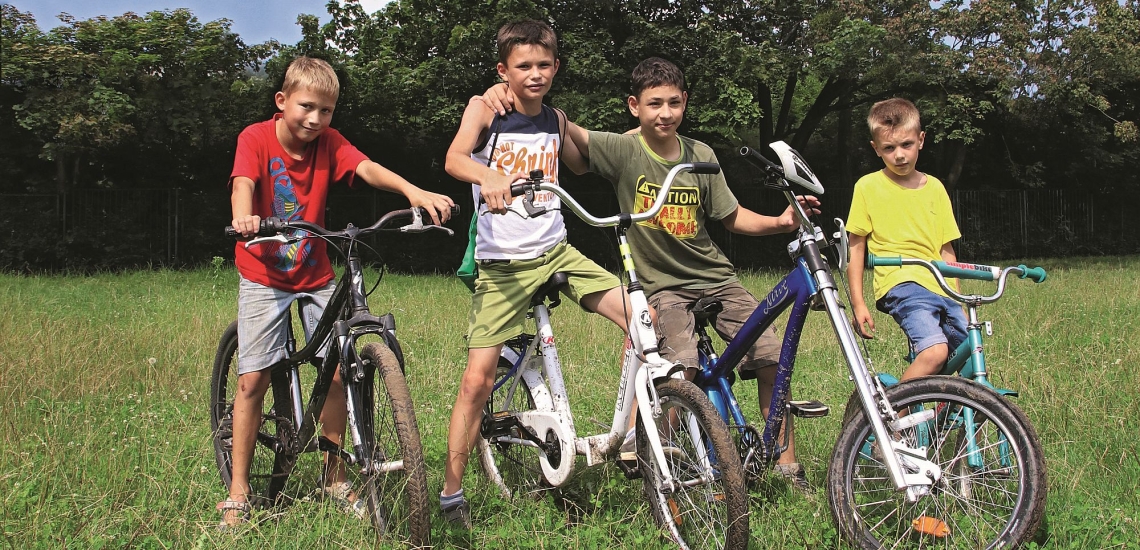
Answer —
673 250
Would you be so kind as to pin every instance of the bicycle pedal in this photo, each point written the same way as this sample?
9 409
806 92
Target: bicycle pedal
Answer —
627 463
808 409
499 424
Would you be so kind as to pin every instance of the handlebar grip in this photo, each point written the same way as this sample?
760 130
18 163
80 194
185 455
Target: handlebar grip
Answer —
426 214
1035 274
876 261
267 228
705 168
518 189
968 271
755 157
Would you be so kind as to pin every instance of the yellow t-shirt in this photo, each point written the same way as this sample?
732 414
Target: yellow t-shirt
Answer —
897 221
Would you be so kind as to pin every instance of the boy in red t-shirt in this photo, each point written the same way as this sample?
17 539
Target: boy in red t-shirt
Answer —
283 167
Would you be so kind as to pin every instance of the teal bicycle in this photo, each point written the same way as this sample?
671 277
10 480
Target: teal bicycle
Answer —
993 464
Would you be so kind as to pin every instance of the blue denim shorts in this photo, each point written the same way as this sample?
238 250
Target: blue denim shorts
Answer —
263 327
927 318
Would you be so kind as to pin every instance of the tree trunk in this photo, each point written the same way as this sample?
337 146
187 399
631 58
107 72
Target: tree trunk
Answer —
844 148
951 182
764 99
60 174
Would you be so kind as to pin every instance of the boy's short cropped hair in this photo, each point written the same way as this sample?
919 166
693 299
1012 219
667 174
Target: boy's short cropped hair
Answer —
310 73
528 32
654 72
893 114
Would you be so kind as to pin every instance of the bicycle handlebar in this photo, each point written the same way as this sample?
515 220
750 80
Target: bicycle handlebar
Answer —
962 270
537 183
271 227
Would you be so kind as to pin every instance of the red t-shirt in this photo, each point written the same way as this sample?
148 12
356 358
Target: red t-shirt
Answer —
290 189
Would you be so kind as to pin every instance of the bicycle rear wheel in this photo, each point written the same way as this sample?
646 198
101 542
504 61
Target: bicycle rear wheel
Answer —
269 469
708 506
395 483
990 495
513 468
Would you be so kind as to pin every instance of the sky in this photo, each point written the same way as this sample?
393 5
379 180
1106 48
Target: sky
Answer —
255 21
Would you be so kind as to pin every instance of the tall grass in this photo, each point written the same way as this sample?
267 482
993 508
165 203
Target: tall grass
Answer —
106 440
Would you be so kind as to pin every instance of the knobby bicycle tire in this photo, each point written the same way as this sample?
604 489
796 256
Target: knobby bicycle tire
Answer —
513 469
269 469
997 502
709 509
397 498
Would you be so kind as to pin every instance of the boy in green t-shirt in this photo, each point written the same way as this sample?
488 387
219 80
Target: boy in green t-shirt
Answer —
899 211
677 261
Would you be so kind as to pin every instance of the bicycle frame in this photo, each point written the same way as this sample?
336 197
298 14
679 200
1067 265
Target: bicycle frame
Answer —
810 281
641 361
346 318
968 359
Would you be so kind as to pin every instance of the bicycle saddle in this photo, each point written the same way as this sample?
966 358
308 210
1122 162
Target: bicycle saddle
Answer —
705 309
549 290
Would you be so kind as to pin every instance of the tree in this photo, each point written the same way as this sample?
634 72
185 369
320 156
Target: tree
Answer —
178 88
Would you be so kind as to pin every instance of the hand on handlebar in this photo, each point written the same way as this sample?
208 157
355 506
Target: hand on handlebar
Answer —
246 225
496 191
437 206
788 221
863 323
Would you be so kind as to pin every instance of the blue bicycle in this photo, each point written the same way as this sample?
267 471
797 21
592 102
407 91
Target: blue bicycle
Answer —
963 468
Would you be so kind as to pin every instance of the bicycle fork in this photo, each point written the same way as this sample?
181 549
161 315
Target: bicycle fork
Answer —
908 467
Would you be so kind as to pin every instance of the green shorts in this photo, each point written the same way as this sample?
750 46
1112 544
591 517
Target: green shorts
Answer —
504 289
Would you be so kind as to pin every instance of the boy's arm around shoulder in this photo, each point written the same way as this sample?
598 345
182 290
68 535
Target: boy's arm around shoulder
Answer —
437 205
576 150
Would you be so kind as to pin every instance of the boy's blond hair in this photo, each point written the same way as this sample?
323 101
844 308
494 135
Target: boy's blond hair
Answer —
893 114
309 73
528 32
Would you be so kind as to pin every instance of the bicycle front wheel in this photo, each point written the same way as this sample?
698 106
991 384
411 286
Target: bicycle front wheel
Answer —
707 506
991 493
269 469
512 467
395 477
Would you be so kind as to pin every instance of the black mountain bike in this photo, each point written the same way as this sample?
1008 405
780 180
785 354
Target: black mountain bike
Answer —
383 447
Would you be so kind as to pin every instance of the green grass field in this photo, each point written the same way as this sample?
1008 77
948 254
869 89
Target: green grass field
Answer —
106 439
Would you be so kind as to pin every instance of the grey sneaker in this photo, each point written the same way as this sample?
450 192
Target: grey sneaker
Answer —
795 475
458 514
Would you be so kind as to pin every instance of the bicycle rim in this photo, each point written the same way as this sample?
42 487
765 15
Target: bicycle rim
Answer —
991 493
269 470
514 469
708 508
395 488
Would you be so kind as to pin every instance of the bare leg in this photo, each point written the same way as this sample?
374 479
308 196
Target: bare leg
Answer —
928 362
765 379
474 389
334 418
248 401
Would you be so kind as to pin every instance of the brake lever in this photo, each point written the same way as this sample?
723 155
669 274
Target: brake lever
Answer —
418 225
841 236
279 238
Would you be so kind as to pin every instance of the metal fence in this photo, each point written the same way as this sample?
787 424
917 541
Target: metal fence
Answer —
129 228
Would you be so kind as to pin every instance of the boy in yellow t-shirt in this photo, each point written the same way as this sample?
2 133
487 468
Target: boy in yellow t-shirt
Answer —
899 211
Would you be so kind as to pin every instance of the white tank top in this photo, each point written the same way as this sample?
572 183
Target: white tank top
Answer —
523 143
